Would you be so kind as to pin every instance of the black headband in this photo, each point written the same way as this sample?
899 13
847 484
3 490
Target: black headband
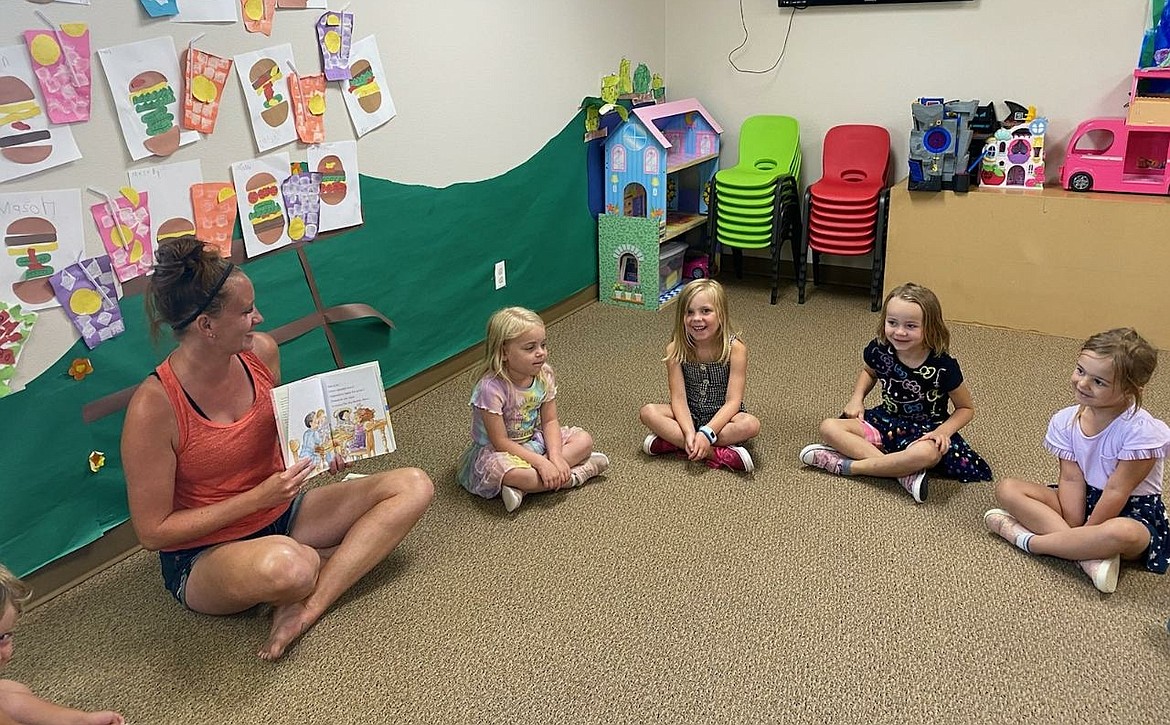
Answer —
207 301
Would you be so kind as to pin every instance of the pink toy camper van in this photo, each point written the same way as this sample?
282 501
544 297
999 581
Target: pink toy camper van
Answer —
1132 159
1125 154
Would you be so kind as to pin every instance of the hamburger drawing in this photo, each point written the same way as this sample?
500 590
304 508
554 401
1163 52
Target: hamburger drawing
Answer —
19 141
175 228
152 96
30 239
264 76
364 86
266 216
333 189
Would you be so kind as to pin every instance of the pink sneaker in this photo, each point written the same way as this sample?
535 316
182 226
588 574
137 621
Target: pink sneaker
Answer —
595 465
915 485
655 446
1103 572
1001 522
734 457
822 457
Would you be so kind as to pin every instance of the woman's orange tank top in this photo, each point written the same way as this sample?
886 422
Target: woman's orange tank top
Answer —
216 461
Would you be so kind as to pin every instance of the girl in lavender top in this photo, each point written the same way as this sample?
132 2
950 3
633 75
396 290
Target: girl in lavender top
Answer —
1107 503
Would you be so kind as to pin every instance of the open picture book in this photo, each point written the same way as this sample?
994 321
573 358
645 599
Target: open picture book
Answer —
336 413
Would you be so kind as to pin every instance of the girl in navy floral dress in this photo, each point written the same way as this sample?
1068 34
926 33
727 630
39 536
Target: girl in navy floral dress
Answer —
924 404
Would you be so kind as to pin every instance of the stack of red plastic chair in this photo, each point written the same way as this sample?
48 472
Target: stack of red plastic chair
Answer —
846 211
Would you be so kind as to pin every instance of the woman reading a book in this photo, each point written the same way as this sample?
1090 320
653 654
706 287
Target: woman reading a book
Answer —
205 475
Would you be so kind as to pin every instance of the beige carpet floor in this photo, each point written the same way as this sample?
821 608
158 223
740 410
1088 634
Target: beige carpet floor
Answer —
668 592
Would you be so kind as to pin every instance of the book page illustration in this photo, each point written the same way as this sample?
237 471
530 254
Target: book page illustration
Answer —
265 85
337 413
341 200
42 234
60 60
169 187
125 231
366 95
143 77
28 142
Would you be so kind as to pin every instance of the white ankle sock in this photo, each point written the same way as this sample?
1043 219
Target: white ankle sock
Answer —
1023 540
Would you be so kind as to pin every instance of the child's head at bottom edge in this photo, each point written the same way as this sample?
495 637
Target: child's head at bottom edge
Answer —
14 593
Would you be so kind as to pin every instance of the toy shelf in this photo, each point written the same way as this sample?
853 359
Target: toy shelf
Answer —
679 223
687 162
1019 269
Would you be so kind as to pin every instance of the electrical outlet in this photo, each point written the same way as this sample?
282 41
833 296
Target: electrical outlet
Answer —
501 276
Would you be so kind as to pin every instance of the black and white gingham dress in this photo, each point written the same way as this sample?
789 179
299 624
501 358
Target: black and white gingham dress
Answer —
706 385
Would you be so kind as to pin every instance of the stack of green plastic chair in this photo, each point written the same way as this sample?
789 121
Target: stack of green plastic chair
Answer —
757 202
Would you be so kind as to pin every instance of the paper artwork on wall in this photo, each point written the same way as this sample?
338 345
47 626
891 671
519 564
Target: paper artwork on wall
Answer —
298 4
341 201
204 75
123 223
302 201
87 293
335 36
42 234
60 61
366 95
261 206
169 187
160 8
262 75
28 141
15 325
258 15
215 214
208 11
143 77
308 103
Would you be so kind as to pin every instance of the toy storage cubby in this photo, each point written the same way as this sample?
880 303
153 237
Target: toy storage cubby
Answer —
659 164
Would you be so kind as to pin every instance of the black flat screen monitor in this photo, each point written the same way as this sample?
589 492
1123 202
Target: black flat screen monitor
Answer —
824 3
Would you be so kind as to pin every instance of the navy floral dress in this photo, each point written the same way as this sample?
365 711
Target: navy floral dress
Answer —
915 401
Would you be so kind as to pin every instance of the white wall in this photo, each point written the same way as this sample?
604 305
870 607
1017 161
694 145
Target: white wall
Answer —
1072 59
480 86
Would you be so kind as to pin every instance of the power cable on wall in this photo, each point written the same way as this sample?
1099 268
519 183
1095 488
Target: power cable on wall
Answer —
783 48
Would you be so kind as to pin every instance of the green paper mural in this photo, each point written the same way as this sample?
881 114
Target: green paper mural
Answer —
424 258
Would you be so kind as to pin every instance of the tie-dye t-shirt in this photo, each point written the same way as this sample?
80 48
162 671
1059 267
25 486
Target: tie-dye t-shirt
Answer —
519 407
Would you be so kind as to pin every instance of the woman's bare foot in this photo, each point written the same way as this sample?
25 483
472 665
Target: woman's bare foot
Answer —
289 622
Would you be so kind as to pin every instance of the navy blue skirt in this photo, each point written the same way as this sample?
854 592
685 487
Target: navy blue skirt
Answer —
960 462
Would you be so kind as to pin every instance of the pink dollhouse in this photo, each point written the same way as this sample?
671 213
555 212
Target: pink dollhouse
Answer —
658 168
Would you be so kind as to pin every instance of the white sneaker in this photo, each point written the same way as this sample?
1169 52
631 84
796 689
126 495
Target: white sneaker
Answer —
513 497
1103 572
915 485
